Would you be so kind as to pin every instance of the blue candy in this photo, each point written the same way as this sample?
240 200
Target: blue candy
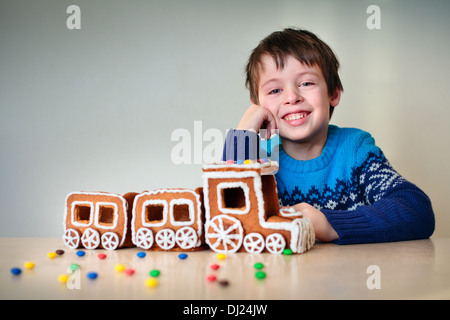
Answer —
182 256
92 275
141 254
81 253
16 271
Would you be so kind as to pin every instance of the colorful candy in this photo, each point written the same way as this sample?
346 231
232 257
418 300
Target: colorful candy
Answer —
119 267
224 283
155 273
258 265
141 254
92 275
260 274
129 272
287 252
182 256
101 256
221 256
74 266
151 282
29 265
63 278
211 278
81 253
16 271
59 252
51 255
214 266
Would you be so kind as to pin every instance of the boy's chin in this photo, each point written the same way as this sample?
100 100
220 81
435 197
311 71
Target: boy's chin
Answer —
293 134
293 138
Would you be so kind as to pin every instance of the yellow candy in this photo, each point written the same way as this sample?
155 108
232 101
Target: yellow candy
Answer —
29 265
248 161
221 256
119 267
51 255
151 282
63 278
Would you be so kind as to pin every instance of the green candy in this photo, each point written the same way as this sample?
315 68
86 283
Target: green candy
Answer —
258 265
260 274
74 266
155 273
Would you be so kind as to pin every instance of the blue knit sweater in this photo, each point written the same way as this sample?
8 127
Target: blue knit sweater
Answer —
353 184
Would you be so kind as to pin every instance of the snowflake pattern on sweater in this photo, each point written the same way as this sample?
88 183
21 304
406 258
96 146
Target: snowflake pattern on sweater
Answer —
360 193
367 184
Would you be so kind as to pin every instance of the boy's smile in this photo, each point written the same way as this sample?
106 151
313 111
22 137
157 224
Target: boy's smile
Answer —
297 97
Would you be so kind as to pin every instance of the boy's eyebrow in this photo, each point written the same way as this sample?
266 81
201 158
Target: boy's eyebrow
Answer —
309 72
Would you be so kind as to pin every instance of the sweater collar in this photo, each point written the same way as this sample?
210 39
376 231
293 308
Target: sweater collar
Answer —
290 164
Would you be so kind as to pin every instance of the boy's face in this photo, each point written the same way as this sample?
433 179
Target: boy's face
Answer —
297 97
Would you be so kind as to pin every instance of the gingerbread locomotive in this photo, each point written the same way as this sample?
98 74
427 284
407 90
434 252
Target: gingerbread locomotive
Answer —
237 209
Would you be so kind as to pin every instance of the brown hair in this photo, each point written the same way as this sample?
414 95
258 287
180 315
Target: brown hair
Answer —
303 45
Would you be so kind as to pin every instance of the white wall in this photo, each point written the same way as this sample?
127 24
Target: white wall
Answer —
94 109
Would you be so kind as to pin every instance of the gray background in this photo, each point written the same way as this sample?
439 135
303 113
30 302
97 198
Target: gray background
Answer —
94 109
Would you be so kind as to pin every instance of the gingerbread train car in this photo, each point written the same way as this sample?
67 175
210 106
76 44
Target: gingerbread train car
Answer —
236 210
168 219
97 219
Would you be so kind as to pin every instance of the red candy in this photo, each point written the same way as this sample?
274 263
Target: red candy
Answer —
101 256
129 272
214 266
211 278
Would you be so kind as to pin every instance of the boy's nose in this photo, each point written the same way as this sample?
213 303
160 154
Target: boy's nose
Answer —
292 97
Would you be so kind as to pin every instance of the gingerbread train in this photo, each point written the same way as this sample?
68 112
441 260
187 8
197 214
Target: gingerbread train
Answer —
236 210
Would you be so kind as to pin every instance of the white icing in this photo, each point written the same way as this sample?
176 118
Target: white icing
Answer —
290 212
95 212
110 240
152 202
71 238
80 223
275 243
143 238
165 239
254 242
90 238
186 238
190 204
253 165
227 185
139 240
97 215
231 242
301 230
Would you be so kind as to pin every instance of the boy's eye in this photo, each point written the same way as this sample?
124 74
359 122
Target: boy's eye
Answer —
275 91
306 84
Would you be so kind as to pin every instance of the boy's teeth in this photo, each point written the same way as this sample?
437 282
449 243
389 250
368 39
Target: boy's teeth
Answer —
295 116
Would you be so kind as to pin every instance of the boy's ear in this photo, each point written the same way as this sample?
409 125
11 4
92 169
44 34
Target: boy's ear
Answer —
335 98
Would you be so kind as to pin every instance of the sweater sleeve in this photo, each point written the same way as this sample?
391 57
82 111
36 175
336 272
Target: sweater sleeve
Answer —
394 209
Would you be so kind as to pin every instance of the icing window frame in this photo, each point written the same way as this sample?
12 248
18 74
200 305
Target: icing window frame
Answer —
155 202
230 185
75 215
98 212
191 210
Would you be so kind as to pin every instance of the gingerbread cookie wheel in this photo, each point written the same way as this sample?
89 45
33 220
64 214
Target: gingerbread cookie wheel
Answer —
224 234
254 242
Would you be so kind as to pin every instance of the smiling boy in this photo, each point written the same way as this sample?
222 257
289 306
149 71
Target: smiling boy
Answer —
337 177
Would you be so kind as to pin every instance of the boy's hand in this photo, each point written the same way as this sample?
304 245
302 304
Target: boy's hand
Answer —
256 118
322 228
